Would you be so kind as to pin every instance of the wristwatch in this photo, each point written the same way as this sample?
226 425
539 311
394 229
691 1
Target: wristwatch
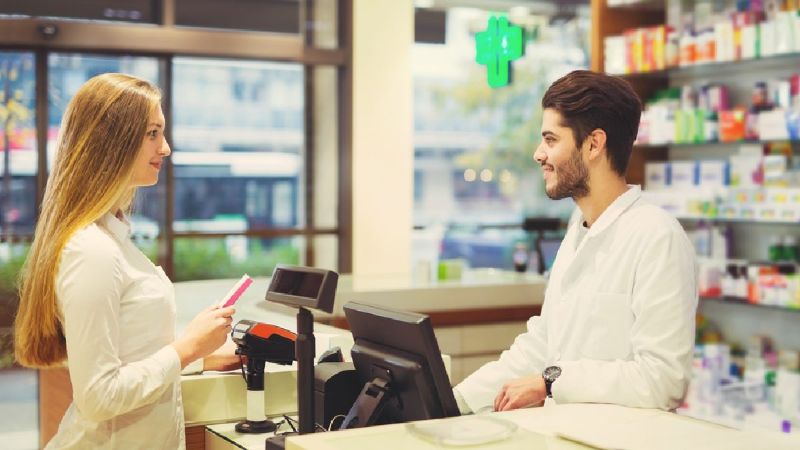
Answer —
550 374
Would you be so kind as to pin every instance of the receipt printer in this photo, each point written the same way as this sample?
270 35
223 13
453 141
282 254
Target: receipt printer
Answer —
336 388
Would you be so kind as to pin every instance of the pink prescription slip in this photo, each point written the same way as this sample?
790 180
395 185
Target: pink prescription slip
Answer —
238 289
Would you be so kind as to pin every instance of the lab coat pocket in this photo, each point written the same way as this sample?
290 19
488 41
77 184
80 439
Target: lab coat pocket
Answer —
608 333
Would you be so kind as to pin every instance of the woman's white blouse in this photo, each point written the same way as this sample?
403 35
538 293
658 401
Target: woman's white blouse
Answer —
118 314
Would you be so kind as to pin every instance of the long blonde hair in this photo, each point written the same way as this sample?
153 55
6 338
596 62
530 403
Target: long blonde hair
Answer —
101 133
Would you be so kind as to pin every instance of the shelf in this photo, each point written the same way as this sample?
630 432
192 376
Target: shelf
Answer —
716 68
640 5
712 144
736 221
740 302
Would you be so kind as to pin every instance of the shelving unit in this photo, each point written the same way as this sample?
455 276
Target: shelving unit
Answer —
729 220
640 5
713 68
751 237
612 21
698 145
740 302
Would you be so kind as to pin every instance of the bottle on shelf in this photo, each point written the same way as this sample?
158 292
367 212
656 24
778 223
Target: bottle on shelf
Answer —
775 250
790 250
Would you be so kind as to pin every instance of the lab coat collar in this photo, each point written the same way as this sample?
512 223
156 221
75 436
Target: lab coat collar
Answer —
569 260
614 210
120 229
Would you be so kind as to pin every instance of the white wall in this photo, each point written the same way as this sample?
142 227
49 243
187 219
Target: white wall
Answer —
383 153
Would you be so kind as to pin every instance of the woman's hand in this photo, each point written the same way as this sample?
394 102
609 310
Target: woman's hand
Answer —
204 334
224 358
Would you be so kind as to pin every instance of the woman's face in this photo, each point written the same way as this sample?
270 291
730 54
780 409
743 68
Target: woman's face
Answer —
153 150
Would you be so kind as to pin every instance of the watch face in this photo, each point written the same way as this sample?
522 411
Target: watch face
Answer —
551 373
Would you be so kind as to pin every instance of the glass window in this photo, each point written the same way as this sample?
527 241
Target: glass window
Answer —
474 145
117 10
18 166
67 73
277 16
232 256
18 162
18 386
238 149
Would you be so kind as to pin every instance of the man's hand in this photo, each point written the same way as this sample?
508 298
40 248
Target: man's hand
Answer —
521 393
223 359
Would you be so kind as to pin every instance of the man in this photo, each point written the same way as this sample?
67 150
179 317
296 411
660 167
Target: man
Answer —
617 324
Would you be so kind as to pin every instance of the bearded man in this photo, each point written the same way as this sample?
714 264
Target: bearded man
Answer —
618 321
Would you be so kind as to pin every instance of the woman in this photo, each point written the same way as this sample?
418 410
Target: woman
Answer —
90 297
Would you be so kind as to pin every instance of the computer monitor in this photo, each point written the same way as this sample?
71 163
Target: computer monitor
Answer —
548 249
397 357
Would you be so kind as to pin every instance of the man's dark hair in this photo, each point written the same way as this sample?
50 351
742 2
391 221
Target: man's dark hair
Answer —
589 100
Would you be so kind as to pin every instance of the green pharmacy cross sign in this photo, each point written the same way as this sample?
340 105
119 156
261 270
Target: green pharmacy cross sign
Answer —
496 47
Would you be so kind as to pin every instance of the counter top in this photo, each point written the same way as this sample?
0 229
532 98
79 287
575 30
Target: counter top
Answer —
480 288
553 427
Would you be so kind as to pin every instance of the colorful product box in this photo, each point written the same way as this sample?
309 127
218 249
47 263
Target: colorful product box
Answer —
714 173
775 167
789 213
657 175
732 125
683 174
690 126
771 125
746 171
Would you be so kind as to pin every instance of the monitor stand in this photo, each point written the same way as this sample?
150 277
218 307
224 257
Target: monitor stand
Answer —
369 405
304 354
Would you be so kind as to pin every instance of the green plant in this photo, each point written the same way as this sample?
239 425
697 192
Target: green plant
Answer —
6 347
9 275
200 259
12 261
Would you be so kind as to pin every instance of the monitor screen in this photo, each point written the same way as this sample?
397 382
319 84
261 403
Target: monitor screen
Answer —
300 284
399 349
304 287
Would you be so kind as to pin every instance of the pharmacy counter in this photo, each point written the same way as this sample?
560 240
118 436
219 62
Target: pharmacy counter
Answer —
484 290
482 295
554 427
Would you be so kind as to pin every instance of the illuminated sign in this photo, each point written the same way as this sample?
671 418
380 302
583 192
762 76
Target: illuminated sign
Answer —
496 47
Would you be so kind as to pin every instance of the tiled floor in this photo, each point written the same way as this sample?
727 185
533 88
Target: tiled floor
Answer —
19 426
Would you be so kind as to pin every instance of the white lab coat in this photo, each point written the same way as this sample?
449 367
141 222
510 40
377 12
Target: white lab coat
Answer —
618 315
118 314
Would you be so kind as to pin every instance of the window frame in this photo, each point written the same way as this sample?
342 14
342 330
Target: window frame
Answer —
166 41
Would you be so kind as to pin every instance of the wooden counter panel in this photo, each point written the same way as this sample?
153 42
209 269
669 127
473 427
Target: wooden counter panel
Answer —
468 316
55 395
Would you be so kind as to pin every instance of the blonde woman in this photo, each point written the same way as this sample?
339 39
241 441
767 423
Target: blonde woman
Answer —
90 298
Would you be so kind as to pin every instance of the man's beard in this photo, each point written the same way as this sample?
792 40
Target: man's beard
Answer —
572 180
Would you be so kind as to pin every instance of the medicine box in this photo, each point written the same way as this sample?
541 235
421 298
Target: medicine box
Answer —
683 174
656 175
713 173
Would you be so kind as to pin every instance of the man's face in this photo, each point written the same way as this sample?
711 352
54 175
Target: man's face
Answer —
564 171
